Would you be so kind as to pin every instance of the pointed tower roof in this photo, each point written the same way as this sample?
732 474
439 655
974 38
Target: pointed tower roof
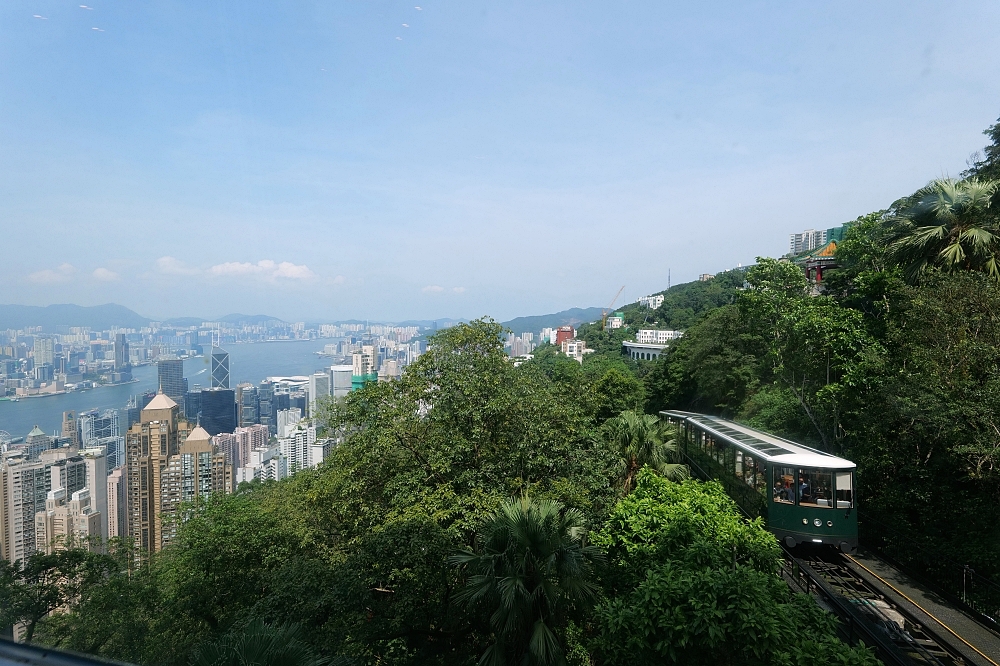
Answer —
161 401
199 434
35 432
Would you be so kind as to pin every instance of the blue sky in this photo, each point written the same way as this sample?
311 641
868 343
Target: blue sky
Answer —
329 160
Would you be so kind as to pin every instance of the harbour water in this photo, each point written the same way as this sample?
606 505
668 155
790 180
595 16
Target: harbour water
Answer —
247 363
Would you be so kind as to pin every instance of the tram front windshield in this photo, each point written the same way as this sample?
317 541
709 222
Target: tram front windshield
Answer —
813 488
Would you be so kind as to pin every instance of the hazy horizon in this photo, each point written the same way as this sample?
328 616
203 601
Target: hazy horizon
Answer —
379 160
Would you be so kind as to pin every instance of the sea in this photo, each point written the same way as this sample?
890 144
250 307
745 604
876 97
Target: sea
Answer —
252 362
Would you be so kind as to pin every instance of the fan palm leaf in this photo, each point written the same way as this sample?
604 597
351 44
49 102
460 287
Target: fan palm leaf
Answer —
534 562
949 225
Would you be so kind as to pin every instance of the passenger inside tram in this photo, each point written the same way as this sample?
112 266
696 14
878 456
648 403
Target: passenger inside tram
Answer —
815 488
784 490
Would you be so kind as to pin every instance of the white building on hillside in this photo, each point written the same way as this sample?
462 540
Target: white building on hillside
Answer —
654 337
652 302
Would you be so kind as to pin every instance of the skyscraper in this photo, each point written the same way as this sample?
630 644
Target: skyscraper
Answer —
340 376
249 404
319 388
101 429
218 410
121 352
220 368
71 429
149 445
36 442
171 376
265 401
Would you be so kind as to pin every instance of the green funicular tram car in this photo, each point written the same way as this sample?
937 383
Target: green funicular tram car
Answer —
804 495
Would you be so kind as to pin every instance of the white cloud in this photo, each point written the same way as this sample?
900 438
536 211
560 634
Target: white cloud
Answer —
105 275
49 276
340 279
172 266
458 290
287 269
432 288
266 267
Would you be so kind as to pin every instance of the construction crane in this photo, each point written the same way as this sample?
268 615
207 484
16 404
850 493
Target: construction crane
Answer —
604 313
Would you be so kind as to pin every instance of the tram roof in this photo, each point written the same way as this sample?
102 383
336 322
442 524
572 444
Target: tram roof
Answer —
769 447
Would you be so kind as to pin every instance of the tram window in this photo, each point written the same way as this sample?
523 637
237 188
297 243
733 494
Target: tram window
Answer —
730 457
815 488
760 479
845 490
784 487
748 469
720 452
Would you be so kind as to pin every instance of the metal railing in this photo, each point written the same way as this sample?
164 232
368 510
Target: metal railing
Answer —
958 582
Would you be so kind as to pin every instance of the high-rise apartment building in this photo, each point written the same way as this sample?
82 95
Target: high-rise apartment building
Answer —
67 522
26 484
810 239
287 419
95 461
197 470
149 445
44 353
301 449
218 410
264 464
364 367
220 368
170 372
117 513
237 445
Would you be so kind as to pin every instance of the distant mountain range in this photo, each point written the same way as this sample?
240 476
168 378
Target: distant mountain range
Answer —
571 317
57 318
51 317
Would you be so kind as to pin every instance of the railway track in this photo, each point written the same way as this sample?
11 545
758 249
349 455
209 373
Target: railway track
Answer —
867 614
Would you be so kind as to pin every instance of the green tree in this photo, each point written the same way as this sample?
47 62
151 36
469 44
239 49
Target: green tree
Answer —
33 588
258 644
533 570
617 390
948 225
690 582
642 440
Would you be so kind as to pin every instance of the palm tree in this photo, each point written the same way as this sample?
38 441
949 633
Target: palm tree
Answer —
258 644
641 440
949 226
533 566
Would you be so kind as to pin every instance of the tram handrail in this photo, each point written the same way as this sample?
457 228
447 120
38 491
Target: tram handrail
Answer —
960 584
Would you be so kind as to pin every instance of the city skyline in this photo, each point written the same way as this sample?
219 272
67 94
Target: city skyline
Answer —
329 162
